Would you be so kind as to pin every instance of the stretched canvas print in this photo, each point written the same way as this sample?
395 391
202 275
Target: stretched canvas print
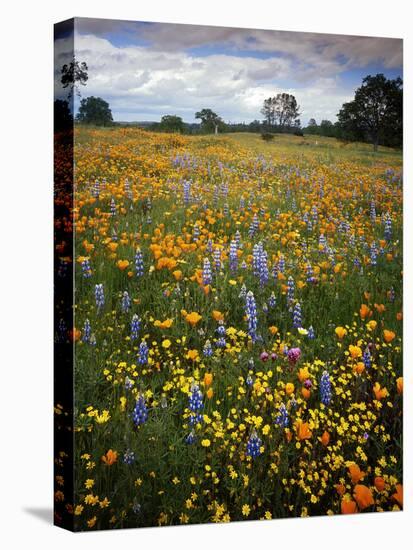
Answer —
228 274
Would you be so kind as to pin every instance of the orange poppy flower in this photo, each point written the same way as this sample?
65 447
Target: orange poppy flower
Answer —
177 274
122 264
192 354
303 374
379 392
355 351
193 318
217 315
340 332
348 506
208 379
379 483
325 439
340 488
389 335
306 393
289 388
364 311
355 473
399 385
163 324
110 457
302 430
363 496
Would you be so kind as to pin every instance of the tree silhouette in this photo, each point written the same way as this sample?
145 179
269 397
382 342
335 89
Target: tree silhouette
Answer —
376 112
74 75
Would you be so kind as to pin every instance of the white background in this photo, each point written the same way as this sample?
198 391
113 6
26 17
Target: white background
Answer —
26 275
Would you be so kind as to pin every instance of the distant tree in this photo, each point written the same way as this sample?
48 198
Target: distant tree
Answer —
268 111
376 113
172 123
74 75
326 128
281 111
254 126
94 110
63 119
312 127
210 121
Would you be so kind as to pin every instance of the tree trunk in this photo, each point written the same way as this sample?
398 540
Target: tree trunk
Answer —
216 129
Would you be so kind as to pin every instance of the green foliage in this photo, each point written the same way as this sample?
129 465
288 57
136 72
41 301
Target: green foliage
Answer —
376 112
94 110
281 111
172 123
210 121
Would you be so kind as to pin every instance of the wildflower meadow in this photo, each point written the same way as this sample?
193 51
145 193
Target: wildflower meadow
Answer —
238 328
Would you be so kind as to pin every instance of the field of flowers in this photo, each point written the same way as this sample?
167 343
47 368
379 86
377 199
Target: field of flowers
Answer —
238 313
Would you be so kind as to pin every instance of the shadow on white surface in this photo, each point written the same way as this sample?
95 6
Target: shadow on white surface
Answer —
44 514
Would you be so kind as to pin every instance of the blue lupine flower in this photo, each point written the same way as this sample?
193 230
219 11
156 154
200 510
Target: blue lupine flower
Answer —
206 272
62 330
86 269
238 238
140 412
310 334
263 268
128 383
134 327
322 242
96 190
196 233
254 445
187 190
113 207
99 296
373 253
87 330
251 313
195 399
272 300
297 321
128 457
290 290
217 259
207 349
139 263
126 302
310 273
256 258
387 228
254 226
282 418
367 358
195 404
325 388
190 438
143 353
62 269
233 256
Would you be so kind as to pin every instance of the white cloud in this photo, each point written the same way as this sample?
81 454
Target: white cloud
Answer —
143 83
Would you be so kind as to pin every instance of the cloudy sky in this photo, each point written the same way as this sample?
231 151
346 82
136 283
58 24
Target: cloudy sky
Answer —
146 70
